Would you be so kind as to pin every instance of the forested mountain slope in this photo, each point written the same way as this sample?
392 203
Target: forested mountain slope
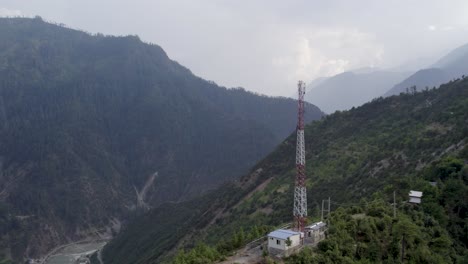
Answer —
86 120
382 146
375 231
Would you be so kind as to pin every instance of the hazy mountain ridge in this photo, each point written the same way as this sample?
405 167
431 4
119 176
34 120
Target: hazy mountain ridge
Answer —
432 77
351 89
454 59
384 145
85 120
451 66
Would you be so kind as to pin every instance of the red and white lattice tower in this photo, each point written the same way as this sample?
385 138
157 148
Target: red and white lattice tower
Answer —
300 194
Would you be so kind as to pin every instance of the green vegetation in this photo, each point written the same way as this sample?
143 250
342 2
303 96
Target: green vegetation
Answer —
204 254
433 232
368 232
86 119
365 153
200 254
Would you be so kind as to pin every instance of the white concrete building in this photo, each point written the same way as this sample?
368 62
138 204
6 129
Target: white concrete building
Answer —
415 197
277 241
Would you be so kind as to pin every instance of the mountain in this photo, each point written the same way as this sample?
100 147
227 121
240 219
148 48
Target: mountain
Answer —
414 64
356 157
317 81
432 77
351 89
451 66
94 127
455 61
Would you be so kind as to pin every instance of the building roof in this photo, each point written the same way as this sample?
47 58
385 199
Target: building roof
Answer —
283 233
415 194
316 226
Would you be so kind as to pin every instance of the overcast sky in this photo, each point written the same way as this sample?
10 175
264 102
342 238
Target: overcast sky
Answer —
266 46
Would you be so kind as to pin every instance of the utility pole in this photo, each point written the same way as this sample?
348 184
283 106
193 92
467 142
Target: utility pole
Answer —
325 210
300 194
394 205
403 248
321 219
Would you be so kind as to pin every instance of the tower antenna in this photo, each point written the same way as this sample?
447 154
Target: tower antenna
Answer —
300 194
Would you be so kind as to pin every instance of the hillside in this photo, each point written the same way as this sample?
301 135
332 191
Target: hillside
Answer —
372 231
451 66
87 120
351 89
382 146
455 61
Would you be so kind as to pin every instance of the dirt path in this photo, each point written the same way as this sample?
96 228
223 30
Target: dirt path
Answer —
99 256
142 194
245 256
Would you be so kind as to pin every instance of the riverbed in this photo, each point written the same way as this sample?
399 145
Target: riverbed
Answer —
69 254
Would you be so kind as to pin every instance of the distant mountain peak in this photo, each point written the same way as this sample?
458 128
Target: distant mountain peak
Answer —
452 57
351 88
451 66
365 70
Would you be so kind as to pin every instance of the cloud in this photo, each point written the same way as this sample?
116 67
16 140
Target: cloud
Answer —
440 28
266 45
448 28
4 12
335 66
326 52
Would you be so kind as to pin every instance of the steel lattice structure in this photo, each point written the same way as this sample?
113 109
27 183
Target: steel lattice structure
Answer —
300 194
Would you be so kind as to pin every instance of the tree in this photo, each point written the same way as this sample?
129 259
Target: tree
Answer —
288 242
449 167
408 231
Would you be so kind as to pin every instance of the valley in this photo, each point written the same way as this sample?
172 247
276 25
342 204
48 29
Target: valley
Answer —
86 121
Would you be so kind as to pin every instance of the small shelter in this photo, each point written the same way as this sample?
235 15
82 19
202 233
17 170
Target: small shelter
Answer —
415 197
278 241
315 232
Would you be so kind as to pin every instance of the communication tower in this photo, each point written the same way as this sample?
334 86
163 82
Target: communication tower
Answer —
300 194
